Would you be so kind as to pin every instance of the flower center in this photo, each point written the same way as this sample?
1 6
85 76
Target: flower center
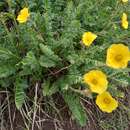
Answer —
94 81
106 100
118 57
87 39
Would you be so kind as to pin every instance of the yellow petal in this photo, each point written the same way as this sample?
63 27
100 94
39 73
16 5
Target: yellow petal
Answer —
24 12
124 21
21 19
125 24
88 38
124 1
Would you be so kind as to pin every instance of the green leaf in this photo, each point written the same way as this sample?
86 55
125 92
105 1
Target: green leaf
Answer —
122 78
49 89
6 54
6 70
118 77
45 62
76 107
31 61
47 51
49 59
20 95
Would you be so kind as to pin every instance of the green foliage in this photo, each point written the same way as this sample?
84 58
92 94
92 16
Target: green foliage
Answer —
48 59
6 70
48 48
20 96
6 54
49 89
76 107
30 62
118 121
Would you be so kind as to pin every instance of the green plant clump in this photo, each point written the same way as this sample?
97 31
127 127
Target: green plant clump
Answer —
48 50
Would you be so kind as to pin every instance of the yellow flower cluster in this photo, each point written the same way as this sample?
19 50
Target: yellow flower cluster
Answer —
98 83
117 57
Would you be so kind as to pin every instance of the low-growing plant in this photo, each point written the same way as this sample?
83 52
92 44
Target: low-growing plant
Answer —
76 48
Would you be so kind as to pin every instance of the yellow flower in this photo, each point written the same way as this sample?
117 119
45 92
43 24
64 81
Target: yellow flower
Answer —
106 102
88 38
118 56
96 80
124 21
23 15
124 1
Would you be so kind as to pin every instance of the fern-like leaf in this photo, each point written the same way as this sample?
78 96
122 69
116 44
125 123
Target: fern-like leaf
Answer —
76 107
20 85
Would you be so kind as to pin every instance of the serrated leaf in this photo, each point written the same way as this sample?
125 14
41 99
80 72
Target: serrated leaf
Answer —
6 54
121 78
6 70
49 59
67 80
45 62
20 95
49 89
46 50
76 107
49 53
30 60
